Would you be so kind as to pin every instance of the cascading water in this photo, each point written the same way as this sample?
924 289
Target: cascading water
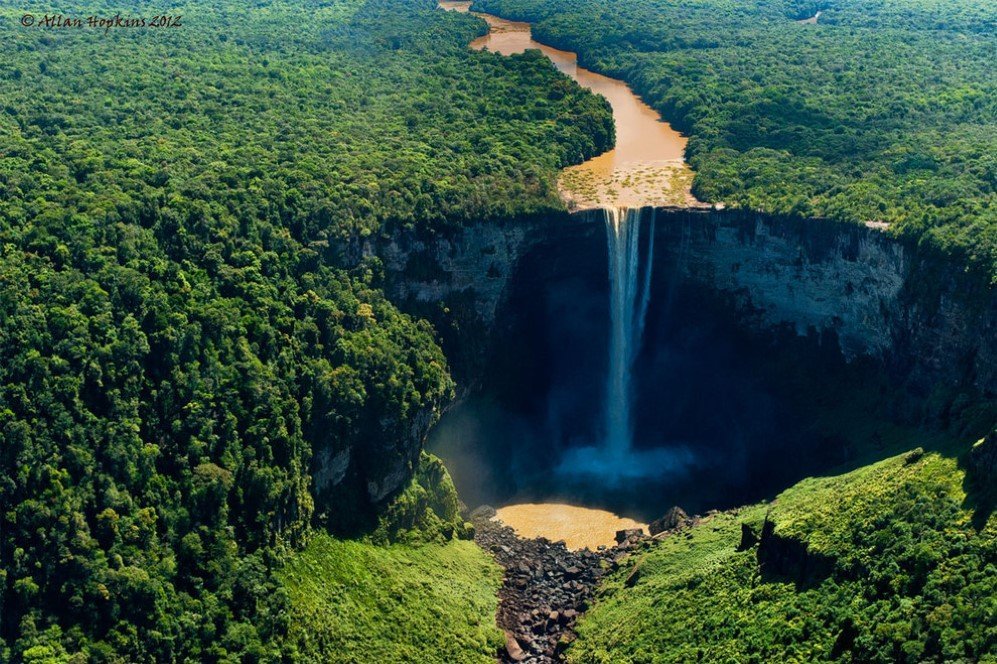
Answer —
615 460
627 310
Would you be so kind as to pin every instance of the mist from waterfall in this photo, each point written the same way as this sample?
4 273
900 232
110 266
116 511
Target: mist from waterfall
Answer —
629 295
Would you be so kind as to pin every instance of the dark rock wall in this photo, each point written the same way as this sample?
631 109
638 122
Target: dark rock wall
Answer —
927 320
931 325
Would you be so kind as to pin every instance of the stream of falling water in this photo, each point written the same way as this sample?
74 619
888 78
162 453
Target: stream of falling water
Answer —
629 295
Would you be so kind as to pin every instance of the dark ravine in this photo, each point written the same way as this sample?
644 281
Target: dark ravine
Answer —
923 317
929 325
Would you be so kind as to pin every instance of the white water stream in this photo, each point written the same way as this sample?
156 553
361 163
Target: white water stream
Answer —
629 295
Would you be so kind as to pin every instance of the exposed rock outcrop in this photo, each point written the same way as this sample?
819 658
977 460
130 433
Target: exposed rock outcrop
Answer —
623 536
788 558
352 482
673 518
749 538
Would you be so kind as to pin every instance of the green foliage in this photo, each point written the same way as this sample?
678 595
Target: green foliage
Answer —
177 342
913 579
357 602
884 110
427 510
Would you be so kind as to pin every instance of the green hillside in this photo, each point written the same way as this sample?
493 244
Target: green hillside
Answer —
892 562
357 602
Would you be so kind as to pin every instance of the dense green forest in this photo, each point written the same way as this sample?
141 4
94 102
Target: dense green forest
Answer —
884 110
200 398
177 343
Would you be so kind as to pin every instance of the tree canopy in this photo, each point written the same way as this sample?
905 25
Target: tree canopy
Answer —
883 110
177 340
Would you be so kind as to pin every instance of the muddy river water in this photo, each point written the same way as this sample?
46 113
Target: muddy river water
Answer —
645 168
578 527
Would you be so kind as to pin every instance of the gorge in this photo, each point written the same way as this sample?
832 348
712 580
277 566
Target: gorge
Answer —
724 282
363 331
557 409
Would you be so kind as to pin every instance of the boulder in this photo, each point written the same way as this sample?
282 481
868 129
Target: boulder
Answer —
573 572
513 649
789 558
566 640
628 533
672 519
634 576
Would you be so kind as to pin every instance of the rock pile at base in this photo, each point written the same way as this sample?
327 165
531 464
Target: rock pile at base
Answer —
546 586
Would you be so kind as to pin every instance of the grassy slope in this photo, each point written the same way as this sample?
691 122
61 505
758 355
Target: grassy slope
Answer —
426 597
357 602
913 577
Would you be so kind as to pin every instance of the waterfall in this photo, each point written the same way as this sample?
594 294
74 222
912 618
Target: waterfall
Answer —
627 310
613 461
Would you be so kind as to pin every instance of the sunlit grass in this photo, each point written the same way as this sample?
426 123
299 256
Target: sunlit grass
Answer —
908 578
357 602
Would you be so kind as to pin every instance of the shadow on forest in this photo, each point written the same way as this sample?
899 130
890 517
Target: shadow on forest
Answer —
980 485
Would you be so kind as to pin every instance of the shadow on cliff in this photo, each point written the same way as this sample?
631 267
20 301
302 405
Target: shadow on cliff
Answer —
759 404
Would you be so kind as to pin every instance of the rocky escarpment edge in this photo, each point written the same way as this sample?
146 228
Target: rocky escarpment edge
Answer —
922 316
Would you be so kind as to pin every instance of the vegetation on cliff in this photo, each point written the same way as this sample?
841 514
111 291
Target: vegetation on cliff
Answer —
408 592
893 562
881 111
177 345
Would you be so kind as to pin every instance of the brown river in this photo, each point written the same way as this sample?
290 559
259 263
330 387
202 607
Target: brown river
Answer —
645 168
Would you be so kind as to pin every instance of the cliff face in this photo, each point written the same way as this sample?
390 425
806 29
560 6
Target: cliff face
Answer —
459 279
778 274
856 290
927 321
